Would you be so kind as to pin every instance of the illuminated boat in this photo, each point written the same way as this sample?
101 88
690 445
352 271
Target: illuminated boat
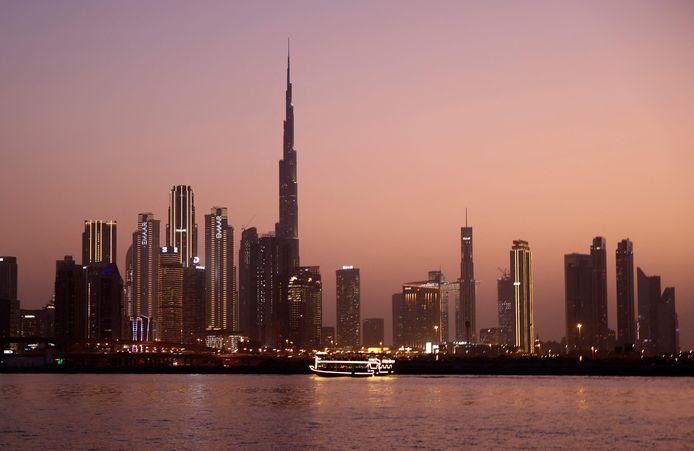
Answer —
353 368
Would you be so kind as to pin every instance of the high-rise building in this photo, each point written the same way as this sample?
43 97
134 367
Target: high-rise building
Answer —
666 328
348 307
421 314
267 321
450 291
222 311
626 322
145 262
104 296
598 253
182 230
465 321
10 317
649 294
128 295
99 243
506 309
450 294
287 229
657 318
522 275
170 323
398 304
305 295
581 324
8 277
71 316
194 304
248 267
373 332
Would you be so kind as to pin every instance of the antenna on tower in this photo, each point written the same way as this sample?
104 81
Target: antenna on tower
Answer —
465 216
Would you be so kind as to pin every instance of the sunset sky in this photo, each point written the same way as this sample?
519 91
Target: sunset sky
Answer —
550 121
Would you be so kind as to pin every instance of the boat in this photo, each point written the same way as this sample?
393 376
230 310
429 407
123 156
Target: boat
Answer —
354 368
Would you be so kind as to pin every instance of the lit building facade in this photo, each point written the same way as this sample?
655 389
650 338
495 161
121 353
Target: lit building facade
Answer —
222 310
170 323
522 275
398 309
267 321
347 282
626 318
305 295
145 263
421 314
506 309
182 230
99 242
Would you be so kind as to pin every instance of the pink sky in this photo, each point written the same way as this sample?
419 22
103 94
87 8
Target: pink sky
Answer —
551 121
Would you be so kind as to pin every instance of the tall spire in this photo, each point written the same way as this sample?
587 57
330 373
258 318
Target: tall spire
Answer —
288 54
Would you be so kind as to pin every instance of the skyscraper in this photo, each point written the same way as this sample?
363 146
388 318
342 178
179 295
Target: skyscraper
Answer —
99 243
268 322
649 294
581 325
421 314
221 274
8 277
448 291
70 303
248 266
598 253
305 295
522 275
657 317
146 249
9 304
170 323
626 323
182 230
194 304
506 308
348 307
104 296
398 306
465 321
373 332
287 229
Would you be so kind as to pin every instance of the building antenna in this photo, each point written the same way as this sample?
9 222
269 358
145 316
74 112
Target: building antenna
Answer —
465 216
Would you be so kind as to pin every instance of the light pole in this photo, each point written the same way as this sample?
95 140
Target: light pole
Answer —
438 339
579 326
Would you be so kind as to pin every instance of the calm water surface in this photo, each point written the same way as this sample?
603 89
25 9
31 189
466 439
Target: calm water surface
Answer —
225 411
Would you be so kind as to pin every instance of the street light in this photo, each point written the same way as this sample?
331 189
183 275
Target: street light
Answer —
579 326
438 339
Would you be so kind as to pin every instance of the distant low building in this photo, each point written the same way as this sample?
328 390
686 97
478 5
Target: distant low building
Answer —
491 336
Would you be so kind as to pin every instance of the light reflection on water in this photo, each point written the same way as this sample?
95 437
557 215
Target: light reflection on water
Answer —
223 411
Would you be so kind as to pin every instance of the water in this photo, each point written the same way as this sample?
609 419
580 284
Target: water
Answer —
225 411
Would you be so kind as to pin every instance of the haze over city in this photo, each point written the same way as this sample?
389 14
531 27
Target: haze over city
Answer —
550 124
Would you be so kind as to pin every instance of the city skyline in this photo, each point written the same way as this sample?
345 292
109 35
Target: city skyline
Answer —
330 236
